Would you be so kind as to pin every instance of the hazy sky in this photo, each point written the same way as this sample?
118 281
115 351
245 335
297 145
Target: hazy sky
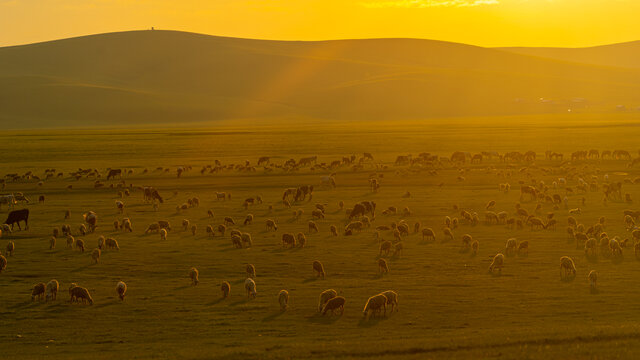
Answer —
479 22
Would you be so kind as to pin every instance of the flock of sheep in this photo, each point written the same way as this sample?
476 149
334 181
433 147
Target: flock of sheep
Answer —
362 215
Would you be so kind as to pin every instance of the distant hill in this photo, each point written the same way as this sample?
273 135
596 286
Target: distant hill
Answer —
159 77
626 55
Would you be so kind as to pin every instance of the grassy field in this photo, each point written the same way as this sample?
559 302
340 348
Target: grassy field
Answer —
449 306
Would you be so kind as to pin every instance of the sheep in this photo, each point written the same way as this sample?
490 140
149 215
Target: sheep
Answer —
70 241
78 292
111 243
497 263
355 225
448 234
116 225
193 274
474 247
163 234
152 227
326 296
429 234
120 206
313 227
82 229
593 279
301 239
229 221
416 227
334 304
271 225
334 230
288 239
52 290
341 205
250 287
246 239
210 231
567 268
67 214
164 224
236 241
490 205
185 224
95 255
523 248
318 268
3 263
374 305
511 247
392 299
317 214
11 246
91 218
283 299
194 229
38 291
210 213
385 247
383 266
221 229
126 225
251 271
248 219
80 244
52 243
121 289
225 287
466 242
575 211
397 251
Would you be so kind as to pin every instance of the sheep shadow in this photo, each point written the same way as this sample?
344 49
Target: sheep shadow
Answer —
239 302
371 321
273 316
310 279
182 287
568 279
594 291
82 268
377 276
318 318
23 305
217 301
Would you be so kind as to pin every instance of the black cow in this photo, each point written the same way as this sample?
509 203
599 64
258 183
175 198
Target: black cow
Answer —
16 216
113 173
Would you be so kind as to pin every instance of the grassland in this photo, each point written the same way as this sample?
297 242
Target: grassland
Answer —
449 306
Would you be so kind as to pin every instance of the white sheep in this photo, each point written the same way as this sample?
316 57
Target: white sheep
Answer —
326 296
193 274
52 290
283 299
121 289
375 305
250 287
497 263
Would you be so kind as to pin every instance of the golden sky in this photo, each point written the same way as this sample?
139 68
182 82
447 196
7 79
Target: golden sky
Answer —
478 22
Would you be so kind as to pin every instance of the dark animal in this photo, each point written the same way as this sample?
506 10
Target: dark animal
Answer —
16 216
113 173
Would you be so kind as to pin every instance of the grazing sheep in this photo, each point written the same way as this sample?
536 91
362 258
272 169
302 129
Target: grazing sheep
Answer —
383 266
250 287
466 242
11 246
474 247
416 227
121 289
3 263
111 243
334 304
385 247
246 239
152 227
95 255
126 225
575 211
375 305
523 248
236 241
82 229
511 247
283 299
70 241
38 291
317 214
448 234
251 271
334 230
221 229
193 274
397 251
229 221
429 234
593 279
185 224
318 268
225 287
392 299
51 292
91 218
301 239
497 263
164 224
80 244
313 227
67 214
271 225
194 229
248 219
79 293
567 268
326 296
116 225
52 243
288 239
210 213
120 206
163 234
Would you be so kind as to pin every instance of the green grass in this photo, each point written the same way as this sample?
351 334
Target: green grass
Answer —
448 305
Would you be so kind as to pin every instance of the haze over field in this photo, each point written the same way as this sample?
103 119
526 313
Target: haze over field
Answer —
154 77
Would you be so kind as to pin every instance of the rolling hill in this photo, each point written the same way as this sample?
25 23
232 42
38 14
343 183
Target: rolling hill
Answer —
161 77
